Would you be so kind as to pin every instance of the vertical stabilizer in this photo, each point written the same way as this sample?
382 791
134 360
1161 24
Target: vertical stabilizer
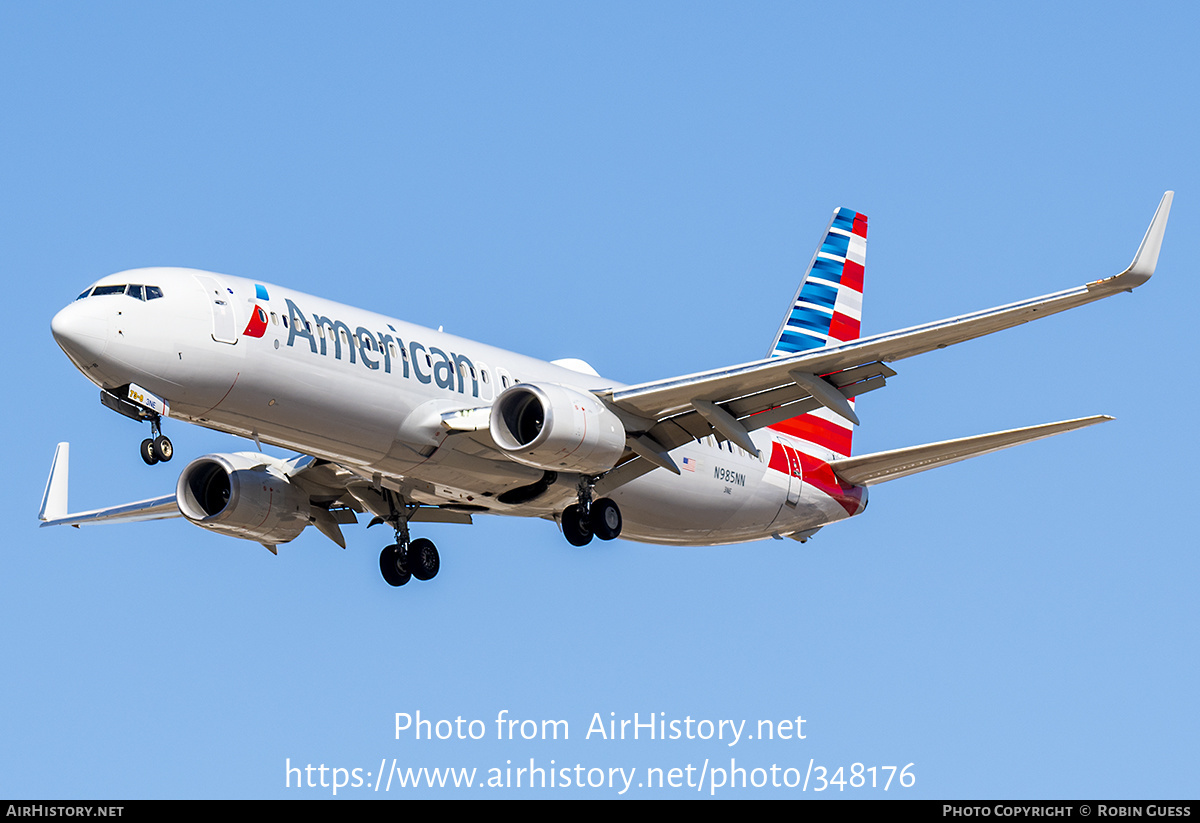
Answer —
827 309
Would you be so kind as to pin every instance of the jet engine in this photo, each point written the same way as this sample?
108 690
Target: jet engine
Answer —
245 495
556 428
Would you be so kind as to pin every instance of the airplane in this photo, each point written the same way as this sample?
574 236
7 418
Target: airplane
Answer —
412 425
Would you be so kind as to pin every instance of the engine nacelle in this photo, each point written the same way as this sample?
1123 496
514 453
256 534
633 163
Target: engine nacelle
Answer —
245 495
556 428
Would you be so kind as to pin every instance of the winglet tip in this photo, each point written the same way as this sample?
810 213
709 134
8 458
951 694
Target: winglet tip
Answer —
1146 259
54 498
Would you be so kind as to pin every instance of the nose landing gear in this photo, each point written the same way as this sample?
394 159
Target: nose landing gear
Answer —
156 449
136 403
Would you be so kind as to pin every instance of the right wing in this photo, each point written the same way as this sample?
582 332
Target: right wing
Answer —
668 413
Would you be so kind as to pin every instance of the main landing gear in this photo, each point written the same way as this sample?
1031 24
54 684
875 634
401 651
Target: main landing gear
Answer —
586 519
405 559
401 562
157 448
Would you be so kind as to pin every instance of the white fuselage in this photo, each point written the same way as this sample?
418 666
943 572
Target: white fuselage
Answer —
368 392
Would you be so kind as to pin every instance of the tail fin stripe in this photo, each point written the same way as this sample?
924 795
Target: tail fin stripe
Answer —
791 341
852 275
826 269
799 315
849 303
835 244
845 219
844 327
818 293
818 324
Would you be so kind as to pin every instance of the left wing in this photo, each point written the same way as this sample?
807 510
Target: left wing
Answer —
736 400
310 492
54 501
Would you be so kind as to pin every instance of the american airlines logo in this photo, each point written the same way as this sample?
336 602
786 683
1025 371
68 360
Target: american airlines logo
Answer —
376 349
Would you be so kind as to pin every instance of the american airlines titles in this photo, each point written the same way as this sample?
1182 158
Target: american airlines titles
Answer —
374 349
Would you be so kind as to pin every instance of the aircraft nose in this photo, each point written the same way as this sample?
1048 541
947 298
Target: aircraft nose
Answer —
81 332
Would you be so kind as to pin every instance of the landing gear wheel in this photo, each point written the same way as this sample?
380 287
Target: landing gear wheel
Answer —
148 452
605 519
575 526
391 564
423 560
163 450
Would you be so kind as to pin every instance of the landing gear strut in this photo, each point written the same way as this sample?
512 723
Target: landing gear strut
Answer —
587 518
406 559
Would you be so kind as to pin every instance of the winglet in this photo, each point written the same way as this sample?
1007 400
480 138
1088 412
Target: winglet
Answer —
1146 259
54 499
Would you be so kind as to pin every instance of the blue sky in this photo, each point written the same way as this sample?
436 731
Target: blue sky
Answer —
639 185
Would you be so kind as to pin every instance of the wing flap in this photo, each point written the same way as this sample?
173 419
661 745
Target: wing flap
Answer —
870 469
756 412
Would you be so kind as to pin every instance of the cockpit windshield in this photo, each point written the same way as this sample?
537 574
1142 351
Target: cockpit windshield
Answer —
136 291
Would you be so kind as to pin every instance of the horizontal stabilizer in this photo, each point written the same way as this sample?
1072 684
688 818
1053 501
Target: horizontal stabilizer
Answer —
869 469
